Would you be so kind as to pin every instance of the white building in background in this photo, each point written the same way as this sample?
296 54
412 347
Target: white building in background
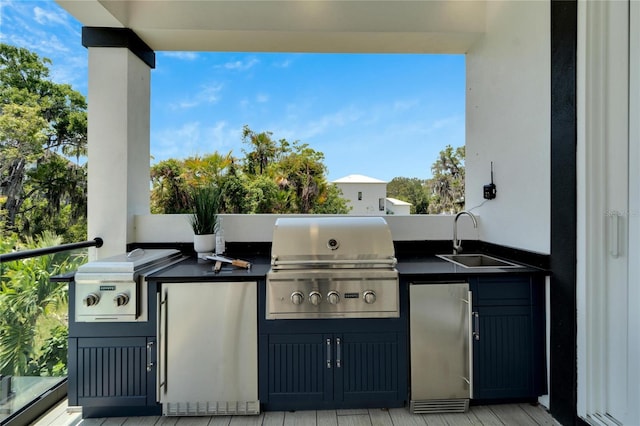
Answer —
395 206
368 196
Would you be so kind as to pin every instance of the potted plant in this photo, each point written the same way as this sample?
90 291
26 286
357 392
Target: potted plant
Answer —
204 203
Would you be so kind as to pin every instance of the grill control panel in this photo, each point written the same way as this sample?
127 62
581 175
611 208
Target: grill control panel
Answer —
300 298
115 302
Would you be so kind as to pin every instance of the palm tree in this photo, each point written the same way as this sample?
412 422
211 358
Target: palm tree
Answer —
264 150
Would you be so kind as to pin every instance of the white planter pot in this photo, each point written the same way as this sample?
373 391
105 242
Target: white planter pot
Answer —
204 244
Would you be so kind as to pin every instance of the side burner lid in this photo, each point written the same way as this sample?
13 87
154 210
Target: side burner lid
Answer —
125 265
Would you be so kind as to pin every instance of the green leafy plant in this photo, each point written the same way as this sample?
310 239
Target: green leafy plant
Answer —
205 204
31 308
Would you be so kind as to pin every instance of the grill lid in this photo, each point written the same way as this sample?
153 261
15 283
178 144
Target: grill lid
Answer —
340 242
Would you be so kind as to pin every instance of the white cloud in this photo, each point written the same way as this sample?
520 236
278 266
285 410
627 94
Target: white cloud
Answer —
44 17
187 56
404 105
262 98
193 139
211 93
453 121
315 128
284 64
241 65
207 94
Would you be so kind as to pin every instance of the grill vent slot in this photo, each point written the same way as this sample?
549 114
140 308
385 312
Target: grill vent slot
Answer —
439 406
211 408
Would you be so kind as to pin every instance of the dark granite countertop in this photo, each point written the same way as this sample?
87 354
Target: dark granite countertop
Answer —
428 267
193 269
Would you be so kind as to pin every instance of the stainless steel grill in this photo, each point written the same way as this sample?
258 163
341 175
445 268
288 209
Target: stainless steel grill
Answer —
342 267
112 289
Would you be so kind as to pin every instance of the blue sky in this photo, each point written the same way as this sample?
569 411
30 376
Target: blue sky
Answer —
378 115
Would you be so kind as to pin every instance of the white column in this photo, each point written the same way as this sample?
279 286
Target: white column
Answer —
118 146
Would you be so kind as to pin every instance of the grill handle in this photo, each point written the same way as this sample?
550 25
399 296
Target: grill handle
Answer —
314 262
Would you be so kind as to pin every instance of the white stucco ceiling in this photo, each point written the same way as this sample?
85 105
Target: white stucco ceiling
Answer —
415 26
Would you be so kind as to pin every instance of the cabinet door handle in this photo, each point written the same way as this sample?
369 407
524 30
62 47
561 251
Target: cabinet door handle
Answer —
149 357
338 352
328 353
614 230
476 326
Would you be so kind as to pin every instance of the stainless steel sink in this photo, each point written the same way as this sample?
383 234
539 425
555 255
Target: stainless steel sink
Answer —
477 261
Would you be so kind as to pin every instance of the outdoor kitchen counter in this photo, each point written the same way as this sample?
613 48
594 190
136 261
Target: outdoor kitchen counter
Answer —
427 266
195 270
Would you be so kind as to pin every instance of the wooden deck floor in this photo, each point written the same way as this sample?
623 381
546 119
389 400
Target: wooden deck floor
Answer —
489 415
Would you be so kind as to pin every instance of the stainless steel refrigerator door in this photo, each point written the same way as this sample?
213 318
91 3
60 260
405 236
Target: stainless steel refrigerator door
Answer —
208 348
440 341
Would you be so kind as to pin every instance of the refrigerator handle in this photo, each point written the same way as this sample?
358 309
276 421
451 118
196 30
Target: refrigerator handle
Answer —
163 324
470 342
476 325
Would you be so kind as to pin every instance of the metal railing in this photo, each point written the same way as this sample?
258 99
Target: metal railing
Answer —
26 254
26 395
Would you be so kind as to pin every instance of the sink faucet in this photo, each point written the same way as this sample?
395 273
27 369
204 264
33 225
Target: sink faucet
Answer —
457 244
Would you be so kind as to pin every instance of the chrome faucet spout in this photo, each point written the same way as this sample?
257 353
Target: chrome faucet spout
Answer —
457 244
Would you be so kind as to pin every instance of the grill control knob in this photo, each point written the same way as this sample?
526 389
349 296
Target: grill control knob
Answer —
369 297
121 299
297 298
315 298
333 297
91 299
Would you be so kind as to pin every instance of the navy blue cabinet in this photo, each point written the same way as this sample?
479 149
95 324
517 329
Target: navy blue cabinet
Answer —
113 372
333 370
508 344
112 365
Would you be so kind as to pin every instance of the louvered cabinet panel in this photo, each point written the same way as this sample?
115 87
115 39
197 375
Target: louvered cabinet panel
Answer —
504 354
508 353
329 371
111 371
297 369
369 367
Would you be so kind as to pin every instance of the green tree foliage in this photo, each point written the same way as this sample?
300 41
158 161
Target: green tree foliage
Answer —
27 298
272 177
412 190
443 193
42 125
447 184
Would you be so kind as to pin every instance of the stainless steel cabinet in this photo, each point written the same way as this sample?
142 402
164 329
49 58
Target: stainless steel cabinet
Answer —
440 339
208 355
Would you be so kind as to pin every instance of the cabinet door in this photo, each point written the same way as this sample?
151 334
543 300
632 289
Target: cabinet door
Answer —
369 370
111 372
503 355
299 370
